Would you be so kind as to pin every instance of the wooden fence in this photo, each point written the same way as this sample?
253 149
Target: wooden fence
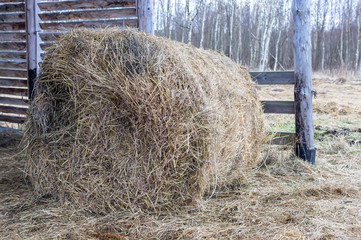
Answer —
277 107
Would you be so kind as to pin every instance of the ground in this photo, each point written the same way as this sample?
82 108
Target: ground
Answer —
283 198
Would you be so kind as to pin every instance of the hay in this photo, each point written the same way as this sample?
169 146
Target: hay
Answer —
123 120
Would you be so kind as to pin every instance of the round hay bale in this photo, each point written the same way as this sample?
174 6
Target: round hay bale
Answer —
125 120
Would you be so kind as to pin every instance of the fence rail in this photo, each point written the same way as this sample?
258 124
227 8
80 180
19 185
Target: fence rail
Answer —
277 107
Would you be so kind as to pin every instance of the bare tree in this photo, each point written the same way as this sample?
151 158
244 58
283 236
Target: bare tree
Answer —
266 37
259 33
201 42
358 19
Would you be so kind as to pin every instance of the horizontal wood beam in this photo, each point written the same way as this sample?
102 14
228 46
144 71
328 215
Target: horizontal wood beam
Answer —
273 78
88 14
12 119
12 63
13 35
14 91
13 82
13 45
280 107
13 72
8 26
83 4
12 16
16 110
89 23
282 138
12 7
51 36
13 101
100 20
85 10
12 54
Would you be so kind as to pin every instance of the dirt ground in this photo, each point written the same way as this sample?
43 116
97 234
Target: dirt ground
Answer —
283 198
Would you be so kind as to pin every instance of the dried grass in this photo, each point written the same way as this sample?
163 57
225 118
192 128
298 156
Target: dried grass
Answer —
124 120
285 199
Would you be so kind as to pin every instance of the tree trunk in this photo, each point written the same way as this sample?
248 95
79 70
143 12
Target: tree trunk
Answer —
189 23
323 26
222 38
358 39
347 40
201 43
169 19
239 43
323 53
216 31
190 28
265 42
185 23
256 42
340 52
277 47
231 29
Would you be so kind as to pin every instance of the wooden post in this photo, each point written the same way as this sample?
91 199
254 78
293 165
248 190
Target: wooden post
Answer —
32 43
146 16
305 148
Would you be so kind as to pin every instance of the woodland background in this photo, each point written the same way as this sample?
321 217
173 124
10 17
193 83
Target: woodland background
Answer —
259 34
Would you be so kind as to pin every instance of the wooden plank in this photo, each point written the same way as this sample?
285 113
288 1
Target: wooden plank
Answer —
4 1
12 16
282 138
88 13
7 1
12 119
13 82
14 91
89 23
12 54
280 107
16 110
83 4
13 101
7 26
12 7
273 77
13 35
13 72
51 36
12 63
45 45
13 45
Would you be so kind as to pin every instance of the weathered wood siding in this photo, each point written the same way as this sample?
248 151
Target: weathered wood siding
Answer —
13 81
58 16
50 19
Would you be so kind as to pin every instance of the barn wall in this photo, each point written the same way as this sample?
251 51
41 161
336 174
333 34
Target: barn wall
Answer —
54 18
13 73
